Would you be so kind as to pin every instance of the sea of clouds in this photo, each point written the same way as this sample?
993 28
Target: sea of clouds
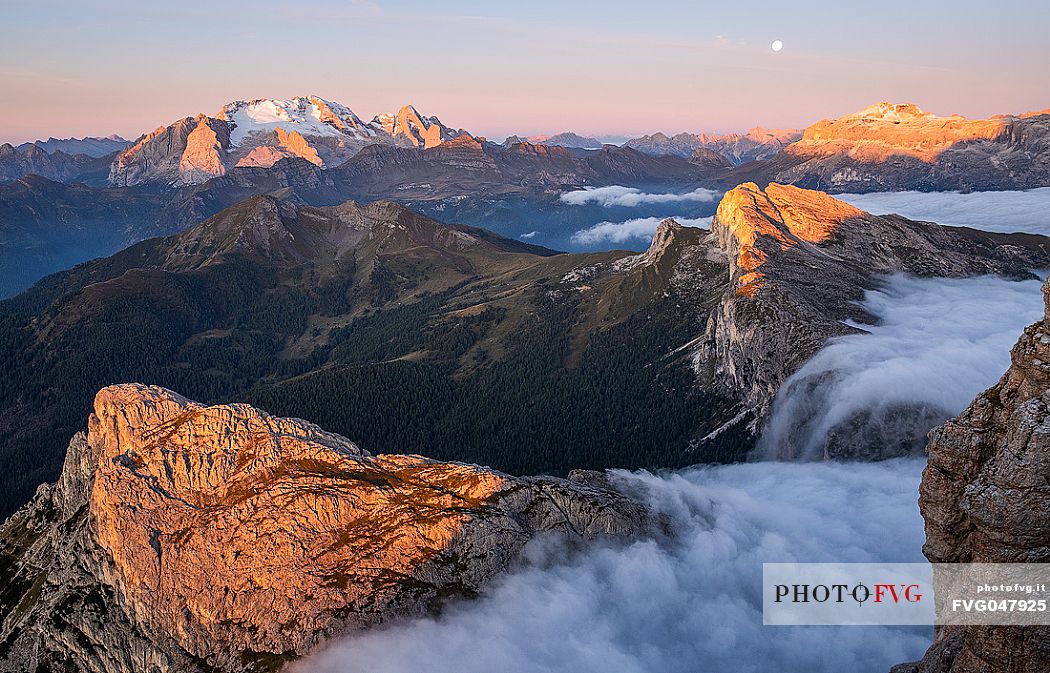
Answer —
939 342
630 197
692 604
636 229
1027 211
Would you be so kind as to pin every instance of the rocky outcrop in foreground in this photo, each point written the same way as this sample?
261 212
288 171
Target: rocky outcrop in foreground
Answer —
189 538
985 496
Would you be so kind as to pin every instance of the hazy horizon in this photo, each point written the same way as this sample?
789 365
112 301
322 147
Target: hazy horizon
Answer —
539 69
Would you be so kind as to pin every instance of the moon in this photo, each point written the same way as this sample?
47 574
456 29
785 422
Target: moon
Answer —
777 45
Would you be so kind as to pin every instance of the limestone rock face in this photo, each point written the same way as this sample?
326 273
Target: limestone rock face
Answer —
264 156
890 146
190 151
885 129
800 260
782 216
296 144
985 497
780 272
202 159
195 538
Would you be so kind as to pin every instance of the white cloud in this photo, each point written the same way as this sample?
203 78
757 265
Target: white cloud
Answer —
531 234
691 604
1027 211
630 197
641 228
939 343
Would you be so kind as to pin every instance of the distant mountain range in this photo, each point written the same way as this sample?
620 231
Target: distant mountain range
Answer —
93 147
32 159
186 171
758 143
264 131
566 139
66 160
886 146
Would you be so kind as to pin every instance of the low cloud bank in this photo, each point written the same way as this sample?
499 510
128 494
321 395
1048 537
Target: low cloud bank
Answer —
1027 211
637 229
939 343
629 197
684 606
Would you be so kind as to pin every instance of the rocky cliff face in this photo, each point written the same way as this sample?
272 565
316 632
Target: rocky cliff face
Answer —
798 262
187 152
189 538
985 497
889 146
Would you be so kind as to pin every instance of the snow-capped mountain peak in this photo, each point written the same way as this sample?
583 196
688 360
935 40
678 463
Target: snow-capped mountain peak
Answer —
262 132
309 116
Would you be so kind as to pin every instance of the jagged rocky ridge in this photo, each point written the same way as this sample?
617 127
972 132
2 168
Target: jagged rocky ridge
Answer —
737 148
985 497
189 538
279 304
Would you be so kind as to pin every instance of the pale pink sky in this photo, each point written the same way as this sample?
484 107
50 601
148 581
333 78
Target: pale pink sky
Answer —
67 68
